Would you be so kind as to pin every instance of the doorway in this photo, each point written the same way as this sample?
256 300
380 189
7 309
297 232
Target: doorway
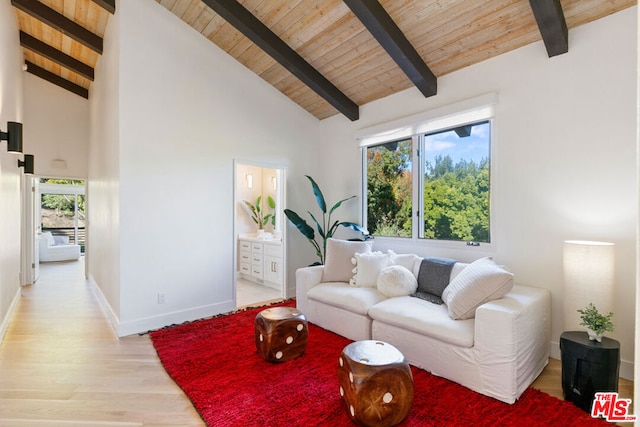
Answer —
259 233
62 209
63 202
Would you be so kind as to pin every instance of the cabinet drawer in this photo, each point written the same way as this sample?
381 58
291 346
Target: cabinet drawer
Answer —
256 271
256 247
256 258
245 256
245 246
245 268
273 250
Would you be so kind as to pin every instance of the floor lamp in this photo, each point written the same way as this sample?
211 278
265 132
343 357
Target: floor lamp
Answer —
588 278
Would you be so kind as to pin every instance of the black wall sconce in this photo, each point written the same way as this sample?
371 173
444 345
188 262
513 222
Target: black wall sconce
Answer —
28 164
13 136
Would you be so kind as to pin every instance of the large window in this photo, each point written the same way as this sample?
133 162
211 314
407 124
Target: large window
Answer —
456 183
439 176
389 189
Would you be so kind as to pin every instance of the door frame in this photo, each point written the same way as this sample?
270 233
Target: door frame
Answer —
30 232
282 190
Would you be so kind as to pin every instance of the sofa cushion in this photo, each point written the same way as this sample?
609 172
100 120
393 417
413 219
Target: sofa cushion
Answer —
337 263
396 281
409 261
433 277
481 281
342 295
61 240
368 266
425 318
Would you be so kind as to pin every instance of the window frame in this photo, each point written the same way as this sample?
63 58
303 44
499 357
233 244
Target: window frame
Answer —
418 127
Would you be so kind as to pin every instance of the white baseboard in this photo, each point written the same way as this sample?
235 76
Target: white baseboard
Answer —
626 367
10 312
138 326
106 307
174 318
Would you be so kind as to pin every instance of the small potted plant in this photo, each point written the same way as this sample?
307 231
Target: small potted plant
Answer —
257 214
597 324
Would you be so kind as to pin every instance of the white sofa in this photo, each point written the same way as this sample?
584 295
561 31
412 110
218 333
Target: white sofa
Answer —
499 351
56 248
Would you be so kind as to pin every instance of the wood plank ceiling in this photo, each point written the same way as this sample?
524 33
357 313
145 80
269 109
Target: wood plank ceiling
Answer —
328 56
62 39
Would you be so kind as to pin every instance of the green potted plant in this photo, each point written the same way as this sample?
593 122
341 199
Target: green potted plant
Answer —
597 324
257 214
325 228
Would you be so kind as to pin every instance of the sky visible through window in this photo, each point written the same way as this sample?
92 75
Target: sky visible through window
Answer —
474 147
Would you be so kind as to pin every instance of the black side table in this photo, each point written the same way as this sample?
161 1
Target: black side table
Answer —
588 367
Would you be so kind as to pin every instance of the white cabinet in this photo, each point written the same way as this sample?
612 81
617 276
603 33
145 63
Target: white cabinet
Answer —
273 264
244 260
261 261
256 260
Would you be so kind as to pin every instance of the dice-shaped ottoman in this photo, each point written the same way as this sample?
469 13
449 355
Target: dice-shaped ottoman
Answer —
281 334
376 383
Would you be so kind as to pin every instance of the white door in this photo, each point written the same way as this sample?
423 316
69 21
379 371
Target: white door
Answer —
37 229
30 229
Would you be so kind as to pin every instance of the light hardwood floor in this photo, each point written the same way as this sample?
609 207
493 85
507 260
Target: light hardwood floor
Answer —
62 365
250 293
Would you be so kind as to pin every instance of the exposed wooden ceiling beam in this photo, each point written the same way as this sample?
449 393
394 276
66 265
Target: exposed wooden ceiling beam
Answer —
108 5
56 80
60 22
29 42
235 14
376 19
552 25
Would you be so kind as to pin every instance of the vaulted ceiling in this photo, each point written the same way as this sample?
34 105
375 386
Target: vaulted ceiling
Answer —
62 39
328 56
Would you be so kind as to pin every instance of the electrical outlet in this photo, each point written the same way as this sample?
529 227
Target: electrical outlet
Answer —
162 298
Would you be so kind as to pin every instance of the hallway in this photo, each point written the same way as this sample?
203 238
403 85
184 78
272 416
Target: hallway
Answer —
61 363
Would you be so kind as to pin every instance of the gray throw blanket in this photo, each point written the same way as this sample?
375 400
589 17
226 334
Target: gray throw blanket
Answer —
433 277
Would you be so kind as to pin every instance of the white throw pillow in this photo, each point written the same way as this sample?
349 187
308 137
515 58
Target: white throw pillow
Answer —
368 266
337 263
480 282
396 281
409 261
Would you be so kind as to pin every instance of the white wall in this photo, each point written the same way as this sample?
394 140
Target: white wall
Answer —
56 127
11 107
565 164
186 110
103 185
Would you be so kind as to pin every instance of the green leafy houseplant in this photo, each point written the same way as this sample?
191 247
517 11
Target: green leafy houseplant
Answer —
257 214
596 322
325 228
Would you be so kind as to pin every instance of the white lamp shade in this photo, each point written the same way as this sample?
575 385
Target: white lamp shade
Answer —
588 278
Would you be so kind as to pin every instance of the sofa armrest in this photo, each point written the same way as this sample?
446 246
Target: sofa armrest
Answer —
306 278
514 331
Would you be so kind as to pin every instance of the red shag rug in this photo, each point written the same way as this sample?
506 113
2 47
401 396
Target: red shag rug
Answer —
216 363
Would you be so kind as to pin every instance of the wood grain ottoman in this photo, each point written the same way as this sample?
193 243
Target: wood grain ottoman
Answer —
281 334
376 383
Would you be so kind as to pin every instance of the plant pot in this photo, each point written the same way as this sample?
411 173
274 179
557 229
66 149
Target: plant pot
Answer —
594 336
